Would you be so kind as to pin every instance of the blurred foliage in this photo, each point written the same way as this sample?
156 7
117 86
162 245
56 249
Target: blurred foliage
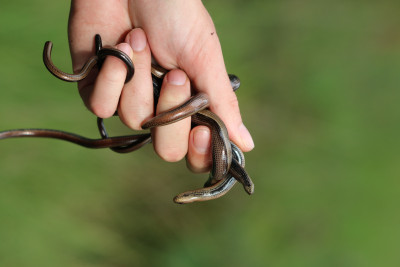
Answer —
320 94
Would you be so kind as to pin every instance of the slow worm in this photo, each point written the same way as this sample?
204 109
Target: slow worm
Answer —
227 159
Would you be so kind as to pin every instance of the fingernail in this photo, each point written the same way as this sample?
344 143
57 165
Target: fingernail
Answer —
201 140
137 40
247 140
176 77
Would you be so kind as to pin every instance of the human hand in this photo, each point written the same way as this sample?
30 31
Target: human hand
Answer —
180 35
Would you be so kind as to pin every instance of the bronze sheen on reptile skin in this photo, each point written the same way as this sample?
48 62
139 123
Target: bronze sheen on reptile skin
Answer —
227 159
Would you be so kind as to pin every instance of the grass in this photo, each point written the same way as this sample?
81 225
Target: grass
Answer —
320 96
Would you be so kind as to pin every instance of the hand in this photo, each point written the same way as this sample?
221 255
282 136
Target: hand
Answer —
180 35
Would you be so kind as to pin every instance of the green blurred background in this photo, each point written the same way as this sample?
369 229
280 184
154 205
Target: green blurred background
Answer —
320 94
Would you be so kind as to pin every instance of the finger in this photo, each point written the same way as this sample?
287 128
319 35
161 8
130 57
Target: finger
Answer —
136 103
209 75
103 100
171 141
88 18
198 158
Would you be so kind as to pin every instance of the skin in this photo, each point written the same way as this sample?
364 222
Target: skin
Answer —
187 45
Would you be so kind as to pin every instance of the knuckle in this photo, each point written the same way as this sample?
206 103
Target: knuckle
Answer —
115 77
233 102
225 99
143 67
133 115
130 122
172 97
101 110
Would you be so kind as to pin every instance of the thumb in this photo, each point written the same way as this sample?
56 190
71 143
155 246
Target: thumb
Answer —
208 74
